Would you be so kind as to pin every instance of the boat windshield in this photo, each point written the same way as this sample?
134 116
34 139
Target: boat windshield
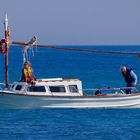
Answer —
73 88
18 87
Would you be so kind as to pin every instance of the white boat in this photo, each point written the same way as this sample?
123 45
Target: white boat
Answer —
62 93
59 92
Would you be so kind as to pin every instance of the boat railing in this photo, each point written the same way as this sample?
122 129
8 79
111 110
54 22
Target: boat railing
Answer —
121 90
2 85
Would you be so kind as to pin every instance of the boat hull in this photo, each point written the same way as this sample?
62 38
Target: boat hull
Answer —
9 100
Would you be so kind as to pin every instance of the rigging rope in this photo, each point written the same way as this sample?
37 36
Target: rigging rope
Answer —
87 50
79 50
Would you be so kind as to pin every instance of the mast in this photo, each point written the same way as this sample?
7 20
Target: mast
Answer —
6 48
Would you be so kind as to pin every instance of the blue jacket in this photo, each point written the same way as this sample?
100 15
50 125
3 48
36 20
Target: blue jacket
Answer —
130 77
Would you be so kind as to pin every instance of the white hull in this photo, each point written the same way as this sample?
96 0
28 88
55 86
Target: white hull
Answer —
8 100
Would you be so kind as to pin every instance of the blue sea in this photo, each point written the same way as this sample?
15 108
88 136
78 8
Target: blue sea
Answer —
96 71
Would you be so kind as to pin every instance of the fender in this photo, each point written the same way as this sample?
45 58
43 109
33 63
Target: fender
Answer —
3 50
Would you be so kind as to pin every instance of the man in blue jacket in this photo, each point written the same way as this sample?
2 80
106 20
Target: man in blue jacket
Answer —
130 77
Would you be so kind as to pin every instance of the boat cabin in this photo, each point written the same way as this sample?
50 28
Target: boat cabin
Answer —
50 87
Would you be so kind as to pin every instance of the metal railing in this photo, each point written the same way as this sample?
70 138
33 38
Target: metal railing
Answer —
121 90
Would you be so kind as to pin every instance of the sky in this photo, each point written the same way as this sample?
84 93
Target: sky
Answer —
73 22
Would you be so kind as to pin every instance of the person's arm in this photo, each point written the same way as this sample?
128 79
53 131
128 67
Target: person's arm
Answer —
134 76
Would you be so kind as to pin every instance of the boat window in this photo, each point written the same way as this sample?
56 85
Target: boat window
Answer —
73 88
12 86
18 87
60 88
36 89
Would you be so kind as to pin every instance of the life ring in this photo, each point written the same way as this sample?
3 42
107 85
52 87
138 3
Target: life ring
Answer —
2 43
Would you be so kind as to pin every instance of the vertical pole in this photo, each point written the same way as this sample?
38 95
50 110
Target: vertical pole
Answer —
6 48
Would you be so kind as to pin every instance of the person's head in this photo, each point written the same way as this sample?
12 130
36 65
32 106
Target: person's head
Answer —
26 65
123 69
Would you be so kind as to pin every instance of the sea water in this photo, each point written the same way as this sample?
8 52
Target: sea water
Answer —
96 71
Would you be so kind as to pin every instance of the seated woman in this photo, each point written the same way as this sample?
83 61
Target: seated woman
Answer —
27 73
